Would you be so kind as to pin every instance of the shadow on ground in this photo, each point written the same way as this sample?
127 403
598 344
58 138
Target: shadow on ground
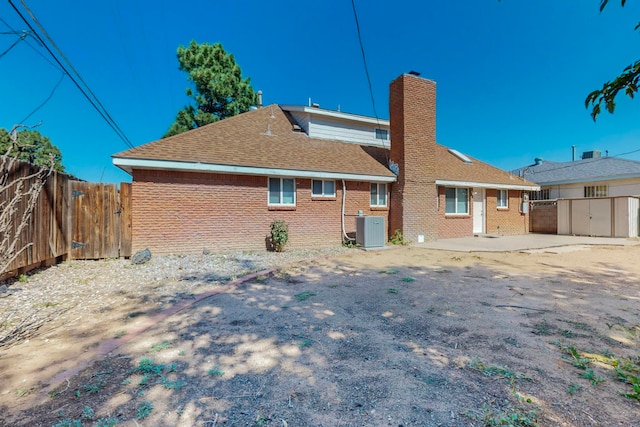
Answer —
460 343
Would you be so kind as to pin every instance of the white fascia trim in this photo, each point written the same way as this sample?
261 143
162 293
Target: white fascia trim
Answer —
487 185
336 114
130 164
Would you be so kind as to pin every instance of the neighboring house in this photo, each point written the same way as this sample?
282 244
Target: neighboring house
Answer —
221 185
594 196
592 176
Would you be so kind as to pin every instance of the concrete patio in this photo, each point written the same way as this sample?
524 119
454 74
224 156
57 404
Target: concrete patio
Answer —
527 242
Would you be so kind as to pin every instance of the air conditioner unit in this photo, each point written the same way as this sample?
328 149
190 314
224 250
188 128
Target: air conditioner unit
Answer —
370 231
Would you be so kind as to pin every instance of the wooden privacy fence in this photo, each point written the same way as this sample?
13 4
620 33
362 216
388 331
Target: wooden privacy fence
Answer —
70 220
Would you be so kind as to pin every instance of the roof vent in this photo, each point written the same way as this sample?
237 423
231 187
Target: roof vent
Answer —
591 154
538 161
315 105
460 156
414 73
297 128
268 131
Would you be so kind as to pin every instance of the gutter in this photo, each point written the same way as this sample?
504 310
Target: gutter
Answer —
128 164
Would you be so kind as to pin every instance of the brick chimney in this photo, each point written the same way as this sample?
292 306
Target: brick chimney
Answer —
413 202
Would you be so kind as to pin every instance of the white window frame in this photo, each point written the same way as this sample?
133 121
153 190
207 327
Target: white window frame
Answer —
543 194
376 203
595 191
281 194
324 193
502 202
457 190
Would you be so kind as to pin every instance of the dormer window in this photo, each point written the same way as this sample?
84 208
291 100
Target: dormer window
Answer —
382 134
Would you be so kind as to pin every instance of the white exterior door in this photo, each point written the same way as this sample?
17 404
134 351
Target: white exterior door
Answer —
478 211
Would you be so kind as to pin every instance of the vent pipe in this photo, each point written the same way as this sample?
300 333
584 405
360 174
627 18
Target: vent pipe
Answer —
259 99
573 153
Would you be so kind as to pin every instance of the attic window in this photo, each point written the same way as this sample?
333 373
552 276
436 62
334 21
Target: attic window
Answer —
382 134
460 156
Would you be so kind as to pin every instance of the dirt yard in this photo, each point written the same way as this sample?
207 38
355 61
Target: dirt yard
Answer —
400 337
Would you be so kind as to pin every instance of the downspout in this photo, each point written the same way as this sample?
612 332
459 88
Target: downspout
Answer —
344 199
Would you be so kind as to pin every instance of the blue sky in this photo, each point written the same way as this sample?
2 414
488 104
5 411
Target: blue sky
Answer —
512 76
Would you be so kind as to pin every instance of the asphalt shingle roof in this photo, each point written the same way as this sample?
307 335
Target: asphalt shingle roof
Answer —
265 138
451 168
597 169
262 138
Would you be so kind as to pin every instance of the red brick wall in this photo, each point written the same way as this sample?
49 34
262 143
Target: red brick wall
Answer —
498 221
182 212
412 110
505 221
450 226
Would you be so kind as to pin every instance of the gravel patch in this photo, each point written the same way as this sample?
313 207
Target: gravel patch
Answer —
79 287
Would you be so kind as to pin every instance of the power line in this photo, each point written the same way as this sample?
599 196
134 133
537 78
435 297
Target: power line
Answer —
102 110
21 38
46 99
13 31
364 60
111 121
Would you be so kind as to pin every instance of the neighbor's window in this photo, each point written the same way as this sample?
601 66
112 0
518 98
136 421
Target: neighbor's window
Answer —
322 188
378 194
539 195
382 134
595 191
282 191
456 201
503 199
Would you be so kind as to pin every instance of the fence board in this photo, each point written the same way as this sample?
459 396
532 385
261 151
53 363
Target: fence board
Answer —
75 219
125 219
44 233
95 221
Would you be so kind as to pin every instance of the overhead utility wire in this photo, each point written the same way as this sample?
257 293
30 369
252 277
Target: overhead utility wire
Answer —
104 114
21 38
112 122
47 99
364 60
13 31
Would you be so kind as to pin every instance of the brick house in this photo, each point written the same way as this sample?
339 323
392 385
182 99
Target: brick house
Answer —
221 185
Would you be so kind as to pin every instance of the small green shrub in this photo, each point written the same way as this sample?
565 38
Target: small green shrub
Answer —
573 388
305 343
88 413
107 422
92 388
215 372
279 235
172 385
398 239
68 423
160 346
303 296
148 366
144 410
